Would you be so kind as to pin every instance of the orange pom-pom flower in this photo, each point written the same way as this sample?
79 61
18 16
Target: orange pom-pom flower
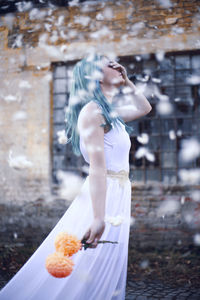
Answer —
59 265
67 244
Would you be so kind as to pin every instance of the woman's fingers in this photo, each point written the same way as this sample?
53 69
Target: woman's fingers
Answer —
94 243
91 238
86 235
116 65
94 233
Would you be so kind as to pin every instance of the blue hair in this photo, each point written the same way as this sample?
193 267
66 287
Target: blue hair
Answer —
85 87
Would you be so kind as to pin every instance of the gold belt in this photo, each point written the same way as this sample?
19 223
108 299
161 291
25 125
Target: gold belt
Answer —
122 176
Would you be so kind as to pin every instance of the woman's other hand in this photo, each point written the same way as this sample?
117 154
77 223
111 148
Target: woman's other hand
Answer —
94 232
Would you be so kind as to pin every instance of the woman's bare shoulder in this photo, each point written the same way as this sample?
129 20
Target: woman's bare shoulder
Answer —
90 113
91 108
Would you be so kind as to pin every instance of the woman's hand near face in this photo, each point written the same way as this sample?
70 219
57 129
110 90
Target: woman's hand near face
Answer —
122 70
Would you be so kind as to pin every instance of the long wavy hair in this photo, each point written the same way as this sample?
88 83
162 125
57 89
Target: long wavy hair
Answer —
85 87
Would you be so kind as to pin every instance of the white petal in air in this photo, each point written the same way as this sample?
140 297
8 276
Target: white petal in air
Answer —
115 221
19 115
191 176
160 55
108 13
143 151
10 98
99 17
190 149
165 3
172 135
143 138
83 20
24 84
19 162
62 139
70 184
197 239
168 207
164 107
193 79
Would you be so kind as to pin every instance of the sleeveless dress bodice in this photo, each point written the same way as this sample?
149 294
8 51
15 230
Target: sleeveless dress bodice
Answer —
116 148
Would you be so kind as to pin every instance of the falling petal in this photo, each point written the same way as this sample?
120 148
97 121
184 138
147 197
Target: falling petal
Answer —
191 176
24 6
143 138
194 149
10 98
165 3
143 151
83 20
164 108
19 162
195 195
132 221
144 264
172 135
197 239
19 115
62 139
168 207
115 221
70 184
160 55
24 84
193 79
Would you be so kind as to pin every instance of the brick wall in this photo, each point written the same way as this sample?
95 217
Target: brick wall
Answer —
29 224
29 42
153 229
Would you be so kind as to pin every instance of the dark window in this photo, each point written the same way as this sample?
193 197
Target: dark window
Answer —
63 157
166 132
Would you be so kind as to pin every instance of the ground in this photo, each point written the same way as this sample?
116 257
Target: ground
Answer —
169 274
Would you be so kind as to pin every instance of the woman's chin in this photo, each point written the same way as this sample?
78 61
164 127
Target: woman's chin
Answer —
118 81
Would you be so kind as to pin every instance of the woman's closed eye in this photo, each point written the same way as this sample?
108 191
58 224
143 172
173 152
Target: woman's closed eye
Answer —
110 65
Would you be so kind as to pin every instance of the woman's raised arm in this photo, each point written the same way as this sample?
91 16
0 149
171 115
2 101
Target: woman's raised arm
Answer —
139 106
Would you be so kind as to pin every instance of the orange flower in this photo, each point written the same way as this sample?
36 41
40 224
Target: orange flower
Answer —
67 244
59 265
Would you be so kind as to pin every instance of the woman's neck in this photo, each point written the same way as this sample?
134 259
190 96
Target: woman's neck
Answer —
109 92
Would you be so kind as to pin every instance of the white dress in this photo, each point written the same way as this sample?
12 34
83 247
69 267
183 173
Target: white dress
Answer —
99 273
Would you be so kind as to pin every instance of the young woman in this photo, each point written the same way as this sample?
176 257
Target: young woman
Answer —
102 209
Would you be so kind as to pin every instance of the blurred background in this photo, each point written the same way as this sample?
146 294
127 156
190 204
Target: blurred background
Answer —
158 41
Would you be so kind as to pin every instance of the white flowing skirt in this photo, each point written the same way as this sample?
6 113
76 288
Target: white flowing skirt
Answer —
99 273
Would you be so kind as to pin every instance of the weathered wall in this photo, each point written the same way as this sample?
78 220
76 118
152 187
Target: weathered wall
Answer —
28 225
30 41
177 228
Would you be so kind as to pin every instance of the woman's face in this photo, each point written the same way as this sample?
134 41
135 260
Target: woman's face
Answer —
111 76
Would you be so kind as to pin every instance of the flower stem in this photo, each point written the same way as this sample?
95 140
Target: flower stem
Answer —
88 245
